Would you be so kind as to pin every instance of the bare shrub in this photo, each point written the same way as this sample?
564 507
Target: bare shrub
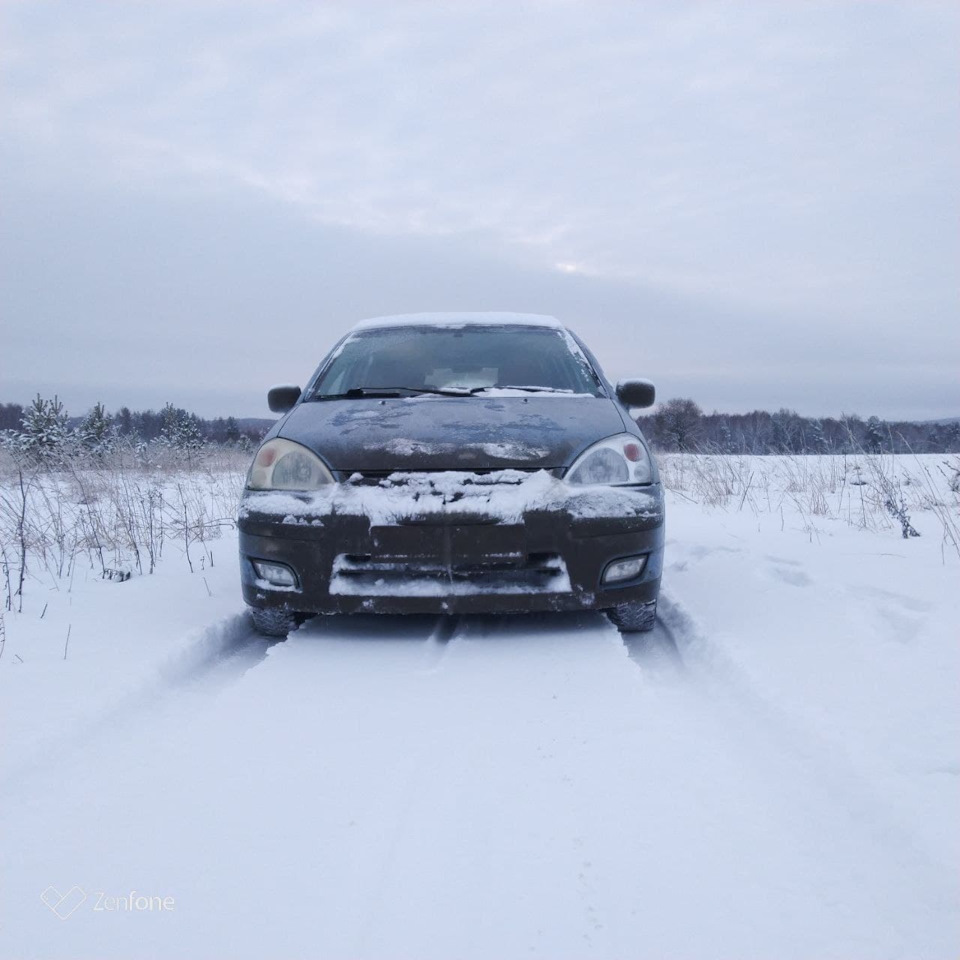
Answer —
113 510
880 492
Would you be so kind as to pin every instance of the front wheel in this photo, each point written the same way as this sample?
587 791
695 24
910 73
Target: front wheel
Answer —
634 617
274 621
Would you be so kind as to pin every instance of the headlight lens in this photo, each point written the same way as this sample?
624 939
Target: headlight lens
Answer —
285 465
617 460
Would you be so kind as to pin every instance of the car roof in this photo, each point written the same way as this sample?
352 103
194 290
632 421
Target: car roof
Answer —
460 320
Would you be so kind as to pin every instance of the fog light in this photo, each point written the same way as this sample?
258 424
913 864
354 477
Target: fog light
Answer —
275 573
628 569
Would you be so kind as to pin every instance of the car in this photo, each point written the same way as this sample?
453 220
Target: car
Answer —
454 464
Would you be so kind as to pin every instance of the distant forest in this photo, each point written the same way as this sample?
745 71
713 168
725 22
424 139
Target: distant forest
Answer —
680 425
677 425
49 422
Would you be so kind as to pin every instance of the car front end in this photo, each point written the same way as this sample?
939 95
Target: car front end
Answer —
497 541
475 468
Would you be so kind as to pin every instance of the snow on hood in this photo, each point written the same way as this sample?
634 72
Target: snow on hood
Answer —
503 496
459 320
510 450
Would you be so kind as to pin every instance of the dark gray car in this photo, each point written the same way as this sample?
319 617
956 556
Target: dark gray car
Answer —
454 463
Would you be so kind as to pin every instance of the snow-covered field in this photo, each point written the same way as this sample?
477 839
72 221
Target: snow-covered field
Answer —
773 772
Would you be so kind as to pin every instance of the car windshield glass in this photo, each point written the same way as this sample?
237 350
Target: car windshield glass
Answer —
457 361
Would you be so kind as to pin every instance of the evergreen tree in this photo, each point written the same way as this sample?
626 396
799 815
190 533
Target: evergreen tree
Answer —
97 431
180 430
44 431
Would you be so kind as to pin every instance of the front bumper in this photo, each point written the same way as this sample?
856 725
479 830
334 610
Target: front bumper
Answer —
446 562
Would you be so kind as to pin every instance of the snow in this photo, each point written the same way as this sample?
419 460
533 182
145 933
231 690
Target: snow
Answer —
458 320
508 450
504 495
773 772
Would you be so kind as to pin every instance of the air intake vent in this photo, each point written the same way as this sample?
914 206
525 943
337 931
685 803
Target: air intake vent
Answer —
360 575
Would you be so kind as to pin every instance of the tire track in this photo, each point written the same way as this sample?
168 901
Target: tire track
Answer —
437 644
218 656
786 759
657 651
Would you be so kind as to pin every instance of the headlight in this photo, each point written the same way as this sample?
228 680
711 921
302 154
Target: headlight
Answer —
616 460
285 465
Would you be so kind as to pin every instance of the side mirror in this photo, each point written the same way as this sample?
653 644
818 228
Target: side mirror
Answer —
281 399
636 393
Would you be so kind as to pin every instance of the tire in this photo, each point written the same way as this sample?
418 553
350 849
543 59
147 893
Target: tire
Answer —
274 621
634 617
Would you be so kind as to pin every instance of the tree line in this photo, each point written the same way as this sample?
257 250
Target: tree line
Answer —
44 428
680 425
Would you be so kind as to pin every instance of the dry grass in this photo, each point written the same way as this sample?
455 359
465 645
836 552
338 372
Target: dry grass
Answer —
875 492
119 512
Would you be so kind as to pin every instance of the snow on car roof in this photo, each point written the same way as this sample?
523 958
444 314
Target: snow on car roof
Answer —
460 320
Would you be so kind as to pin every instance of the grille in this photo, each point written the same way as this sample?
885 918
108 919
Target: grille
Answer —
359 574
460 519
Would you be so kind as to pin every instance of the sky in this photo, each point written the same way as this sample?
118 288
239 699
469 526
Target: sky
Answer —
753 204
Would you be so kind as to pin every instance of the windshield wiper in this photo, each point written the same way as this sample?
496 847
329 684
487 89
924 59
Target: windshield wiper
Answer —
355 393
387 392
524 389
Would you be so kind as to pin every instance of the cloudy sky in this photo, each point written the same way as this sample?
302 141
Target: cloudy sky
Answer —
754 204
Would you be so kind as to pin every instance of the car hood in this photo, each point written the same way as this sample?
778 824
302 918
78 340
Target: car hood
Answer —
451 433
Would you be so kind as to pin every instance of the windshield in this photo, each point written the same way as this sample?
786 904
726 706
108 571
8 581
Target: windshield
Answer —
407 360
